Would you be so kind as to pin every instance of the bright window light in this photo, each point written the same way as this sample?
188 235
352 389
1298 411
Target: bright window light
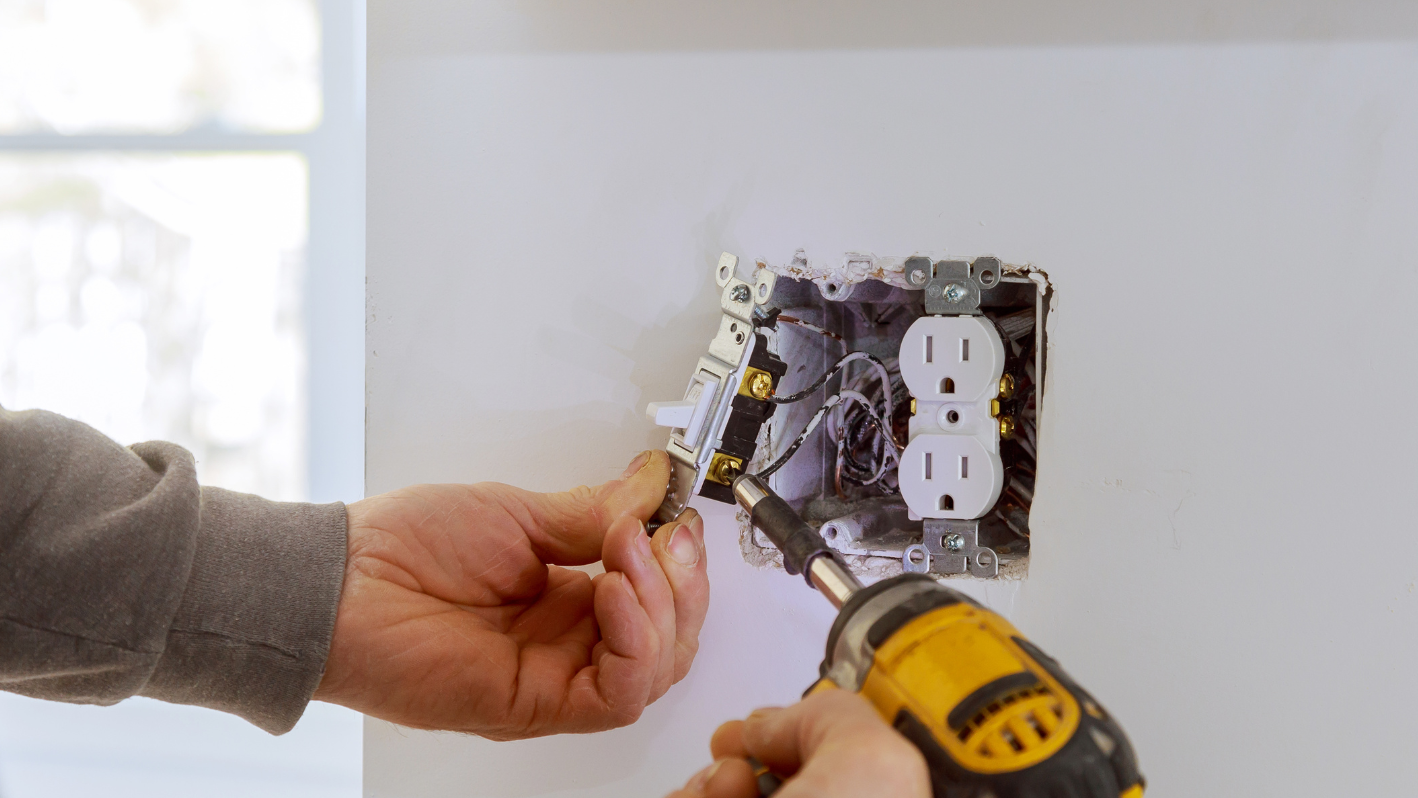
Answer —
157 291
159 66
158 297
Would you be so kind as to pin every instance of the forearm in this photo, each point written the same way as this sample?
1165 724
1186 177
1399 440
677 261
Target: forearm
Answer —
119 576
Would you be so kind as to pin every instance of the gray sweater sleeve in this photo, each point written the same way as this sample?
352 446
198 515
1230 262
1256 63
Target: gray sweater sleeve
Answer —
120 576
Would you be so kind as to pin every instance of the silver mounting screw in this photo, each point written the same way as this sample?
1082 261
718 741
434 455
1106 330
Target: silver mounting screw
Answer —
954 292
954 542
741 293
918 276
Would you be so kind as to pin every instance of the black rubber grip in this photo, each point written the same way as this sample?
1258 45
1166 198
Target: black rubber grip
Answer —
799 542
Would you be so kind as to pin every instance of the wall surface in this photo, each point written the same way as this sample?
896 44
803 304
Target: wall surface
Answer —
1224 195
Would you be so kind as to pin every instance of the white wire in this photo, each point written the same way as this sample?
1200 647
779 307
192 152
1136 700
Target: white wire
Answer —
838 412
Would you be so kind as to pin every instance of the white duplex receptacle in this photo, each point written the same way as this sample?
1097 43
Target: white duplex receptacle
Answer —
807 385
951 467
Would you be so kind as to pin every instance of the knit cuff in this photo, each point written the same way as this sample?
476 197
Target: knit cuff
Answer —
253 630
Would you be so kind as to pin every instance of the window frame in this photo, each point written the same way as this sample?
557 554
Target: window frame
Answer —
334 272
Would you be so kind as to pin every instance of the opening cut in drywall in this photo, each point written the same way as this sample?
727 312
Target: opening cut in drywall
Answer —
933 468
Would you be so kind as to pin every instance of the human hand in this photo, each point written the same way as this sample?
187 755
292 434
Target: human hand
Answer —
456 613
831 744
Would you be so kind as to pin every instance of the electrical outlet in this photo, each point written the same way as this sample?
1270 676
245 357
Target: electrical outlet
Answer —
954 359
952 366
894 402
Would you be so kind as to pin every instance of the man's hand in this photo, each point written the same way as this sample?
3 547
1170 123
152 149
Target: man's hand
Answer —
455 613
831 744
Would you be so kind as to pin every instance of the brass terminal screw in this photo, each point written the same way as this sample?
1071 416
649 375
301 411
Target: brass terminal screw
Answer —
994 408
760 386
913 405
1006 386
1006 427
725 471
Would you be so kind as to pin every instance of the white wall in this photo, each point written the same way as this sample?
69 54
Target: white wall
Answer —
1224 195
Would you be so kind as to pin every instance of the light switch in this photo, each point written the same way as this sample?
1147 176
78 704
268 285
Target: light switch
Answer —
671 414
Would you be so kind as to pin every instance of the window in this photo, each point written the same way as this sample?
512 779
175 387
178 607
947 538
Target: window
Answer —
181 230
146 66
157 297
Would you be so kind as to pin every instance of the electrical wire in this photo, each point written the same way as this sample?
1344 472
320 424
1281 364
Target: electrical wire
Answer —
806 325
883 448
866 451
802 436
850 357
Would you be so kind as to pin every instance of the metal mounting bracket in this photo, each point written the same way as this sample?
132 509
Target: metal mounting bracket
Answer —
951 547
953 287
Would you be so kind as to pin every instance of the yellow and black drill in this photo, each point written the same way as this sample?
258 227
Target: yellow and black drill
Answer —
994 716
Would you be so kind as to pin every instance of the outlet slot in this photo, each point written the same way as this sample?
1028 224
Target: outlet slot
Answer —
966 476
930 348
928 465
964 350
947 385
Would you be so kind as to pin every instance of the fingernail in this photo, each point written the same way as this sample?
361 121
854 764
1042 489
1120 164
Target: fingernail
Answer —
636 464
701 779
756 727
758 720
642 545
682 546
696 525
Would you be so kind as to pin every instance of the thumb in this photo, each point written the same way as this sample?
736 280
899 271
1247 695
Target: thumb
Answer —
568 528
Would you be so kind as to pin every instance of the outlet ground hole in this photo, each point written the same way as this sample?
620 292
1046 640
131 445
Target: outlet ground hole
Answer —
947 502
947 385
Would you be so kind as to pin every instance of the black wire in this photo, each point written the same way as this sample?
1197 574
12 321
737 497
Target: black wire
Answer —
818 383
857 436
802 436
866 440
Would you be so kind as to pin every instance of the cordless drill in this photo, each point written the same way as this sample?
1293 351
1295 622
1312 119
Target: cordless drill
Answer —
993 715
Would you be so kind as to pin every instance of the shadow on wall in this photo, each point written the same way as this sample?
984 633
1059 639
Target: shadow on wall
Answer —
451 27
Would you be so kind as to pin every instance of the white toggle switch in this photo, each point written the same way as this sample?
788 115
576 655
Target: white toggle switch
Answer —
671 414
689 414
